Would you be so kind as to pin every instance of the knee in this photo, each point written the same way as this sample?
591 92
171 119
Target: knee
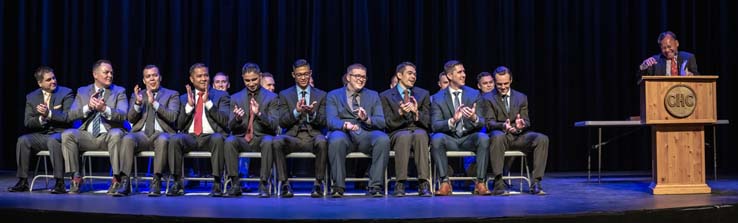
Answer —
497 136
68 135
542 139
437 140
24 141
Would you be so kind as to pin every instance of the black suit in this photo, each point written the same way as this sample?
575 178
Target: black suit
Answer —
407 133
163 112
659 69
186 140
448 138
265 125
303 133
45 134
496 114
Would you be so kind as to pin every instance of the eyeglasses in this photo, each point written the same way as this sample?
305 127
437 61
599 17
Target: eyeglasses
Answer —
358 76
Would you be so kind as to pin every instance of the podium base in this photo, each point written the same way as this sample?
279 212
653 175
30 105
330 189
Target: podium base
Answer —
680 189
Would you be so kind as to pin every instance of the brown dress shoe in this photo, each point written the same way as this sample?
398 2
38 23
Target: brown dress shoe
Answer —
481 189
444 190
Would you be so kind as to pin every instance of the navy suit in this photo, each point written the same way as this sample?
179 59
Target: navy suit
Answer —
445 137
659 69
369 139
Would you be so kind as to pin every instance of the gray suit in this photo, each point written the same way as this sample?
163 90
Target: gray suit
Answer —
301 137
216 116
76 140
370 139
530 142
406 133
137 139
45 135
445 138
264 126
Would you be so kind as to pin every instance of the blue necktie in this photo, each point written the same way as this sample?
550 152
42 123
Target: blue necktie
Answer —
96 119
459 124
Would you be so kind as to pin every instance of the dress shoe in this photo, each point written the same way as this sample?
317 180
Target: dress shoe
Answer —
445 189
337 192
155 190
536 188
114 185
424 189
399 189
480 188
21 185
59 187
500 188
263 190
76 184
317 191
217 190
125 187
177 189
286 191
234 191
375 192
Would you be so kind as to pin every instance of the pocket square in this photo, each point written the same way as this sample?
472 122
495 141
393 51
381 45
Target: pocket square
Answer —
57 107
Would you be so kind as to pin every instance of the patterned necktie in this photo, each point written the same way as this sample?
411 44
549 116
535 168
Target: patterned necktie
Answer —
303 122
47 99
198 113
506 100
406 95
96 119
355 101
250 128
674 70
150 118
459 125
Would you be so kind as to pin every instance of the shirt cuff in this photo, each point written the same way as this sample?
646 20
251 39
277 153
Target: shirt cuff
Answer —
295 114
208 104
450 125
137 107
41 120
188 109
85 110
108 112
156 105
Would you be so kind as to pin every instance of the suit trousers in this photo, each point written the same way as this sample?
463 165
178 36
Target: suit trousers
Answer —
527 142
403 141
303 142
236 144
136 142
75 140
30 144
476 142
374 143
182 143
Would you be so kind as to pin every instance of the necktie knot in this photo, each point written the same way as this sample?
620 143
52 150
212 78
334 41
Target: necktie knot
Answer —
303 93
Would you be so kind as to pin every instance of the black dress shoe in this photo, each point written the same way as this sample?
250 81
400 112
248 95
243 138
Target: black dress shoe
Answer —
286 191
177 189
155 190
21 185
124 189
337 192
263 190
375 192
59 187
317 192
500 188
217 190
536 188
424 189
399 189
234 191
76 184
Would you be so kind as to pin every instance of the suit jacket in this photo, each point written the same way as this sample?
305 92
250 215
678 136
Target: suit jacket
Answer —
660 67
266 123
217 115
288 99
338 111
166 115
115 99
442 109
496 114
61 100
391 104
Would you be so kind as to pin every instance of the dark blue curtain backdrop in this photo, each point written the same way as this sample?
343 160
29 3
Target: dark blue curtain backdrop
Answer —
576 60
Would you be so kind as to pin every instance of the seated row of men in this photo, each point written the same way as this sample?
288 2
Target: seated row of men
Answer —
405 118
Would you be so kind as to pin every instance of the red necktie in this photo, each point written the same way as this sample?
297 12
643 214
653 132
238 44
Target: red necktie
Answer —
198 114
250 131
407 95
674 71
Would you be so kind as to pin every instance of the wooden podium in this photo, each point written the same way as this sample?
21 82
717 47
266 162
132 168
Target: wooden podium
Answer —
677 108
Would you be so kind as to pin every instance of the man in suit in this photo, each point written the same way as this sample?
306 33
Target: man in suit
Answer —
506 112
485 83
202 120
456 123
267 81
221 82
671 61
356 121
253 121
102 108
46 117
407 113
442 80
153 112
302 110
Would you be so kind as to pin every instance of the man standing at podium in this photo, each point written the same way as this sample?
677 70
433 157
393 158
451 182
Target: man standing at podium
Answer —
671 61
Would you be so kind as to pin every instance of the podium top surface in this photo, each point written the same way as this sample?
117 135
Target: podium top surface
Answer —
679 78
626 123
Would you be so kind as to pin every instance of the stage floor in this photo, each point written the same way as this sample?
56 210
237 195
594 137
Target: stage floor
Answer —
568 194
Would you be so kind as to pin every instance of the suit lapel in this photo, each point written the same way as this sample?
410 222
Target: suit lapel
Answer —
342 99
449 101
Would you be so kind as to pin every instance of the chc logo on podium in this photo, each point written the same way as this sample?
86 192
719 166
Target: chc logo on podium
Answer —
680 101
